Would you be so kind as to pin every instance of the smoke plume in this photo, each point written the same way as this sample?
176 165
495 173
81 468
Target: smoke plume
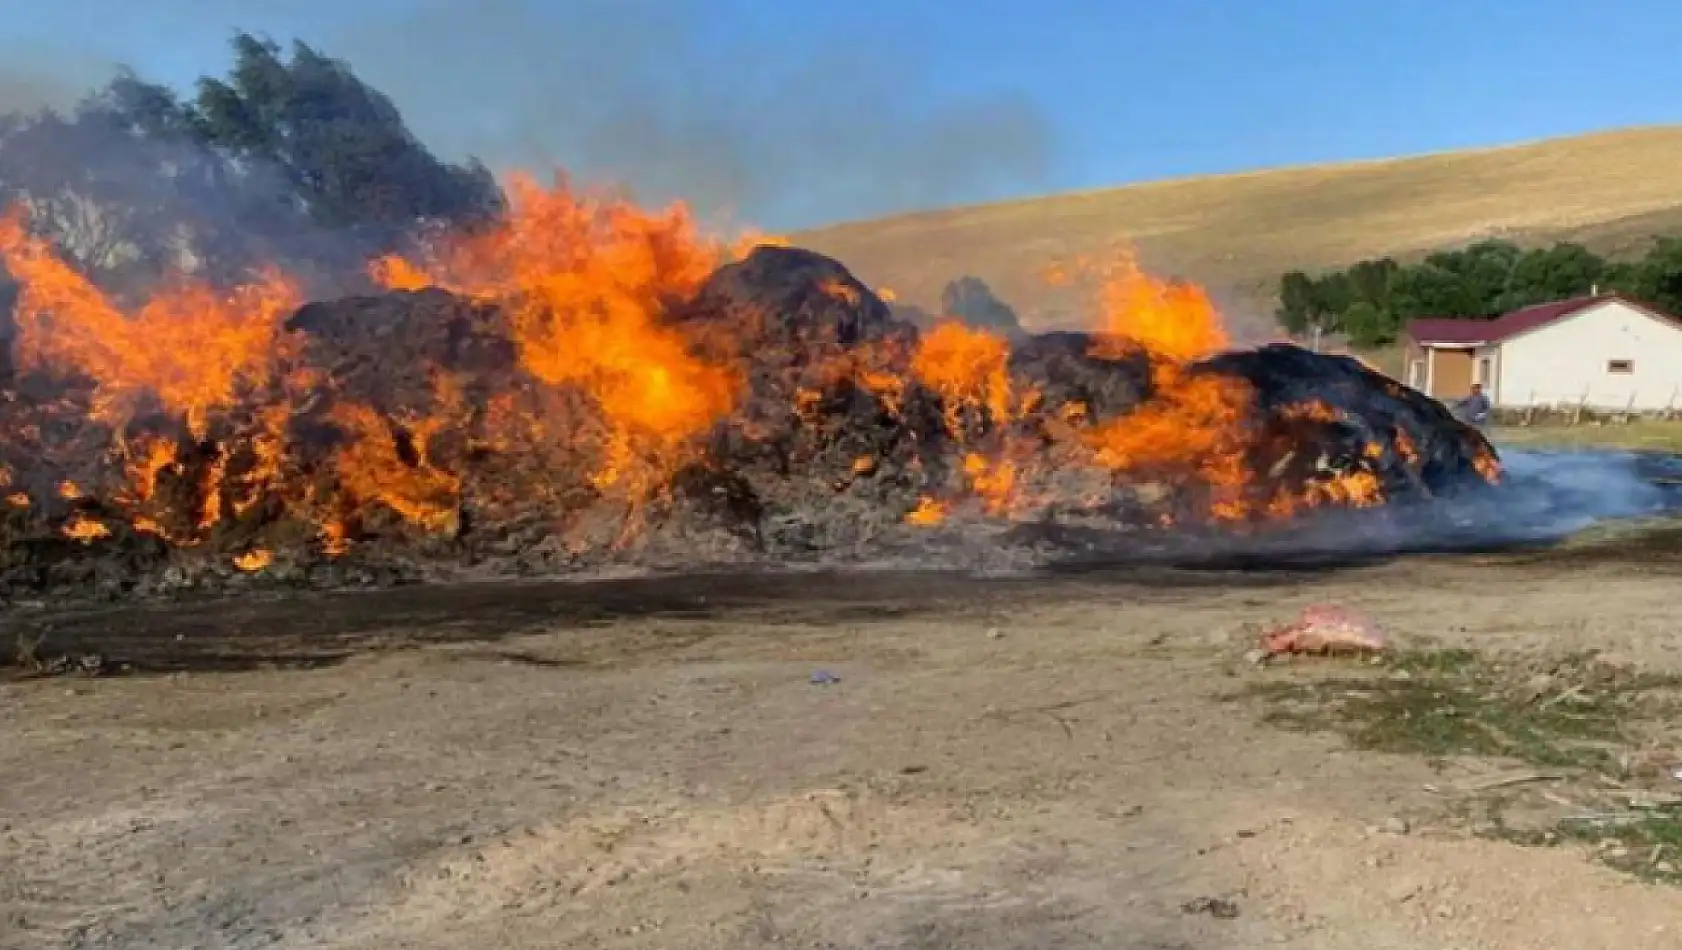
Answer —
30 82
835 120
1545 497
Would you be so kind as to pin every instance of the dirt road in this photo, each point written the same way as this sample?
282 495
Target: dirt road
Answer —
877 761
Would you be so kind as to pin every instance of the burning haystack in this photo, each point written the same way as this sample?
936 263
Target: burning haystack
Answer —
589 383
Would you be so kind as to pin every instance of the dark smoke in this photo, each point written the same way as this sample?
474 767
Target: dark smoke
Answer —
834 120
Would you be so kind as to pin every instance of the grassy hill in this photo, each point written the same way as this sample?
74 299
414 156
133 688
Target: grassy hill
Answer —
1237 233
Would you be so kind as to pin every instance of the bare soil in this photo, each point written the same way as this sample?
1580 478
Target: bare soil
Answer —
870 760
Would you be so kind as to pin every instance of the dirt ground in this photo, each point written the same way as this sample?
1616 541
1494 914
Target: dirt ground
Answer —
1050 762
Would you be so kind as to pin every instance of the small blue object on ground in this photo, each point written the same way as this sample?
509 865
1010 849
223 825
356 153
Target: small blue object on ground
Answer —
825 678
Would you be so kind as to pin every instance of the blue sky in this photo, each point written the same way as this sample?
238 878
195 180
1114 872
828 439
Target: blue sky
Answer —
916 102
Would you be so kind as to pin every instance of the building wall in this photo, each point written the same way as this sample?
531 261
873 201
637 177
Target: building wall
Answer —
1572 361
1413 365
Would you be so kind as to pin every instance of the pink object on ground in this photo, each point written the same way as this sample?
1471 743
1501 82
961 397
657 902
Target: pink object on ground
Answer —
1323 628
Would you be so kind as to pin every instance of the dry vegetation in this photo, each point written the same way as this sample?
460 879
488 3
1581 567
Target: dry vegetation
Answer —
1237 233
1641 435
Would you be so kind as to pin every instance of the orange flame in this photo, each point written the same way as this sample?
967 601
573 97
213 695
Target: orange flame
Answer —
189 347
928 512
372 468
198 390
254 560
583 281
84 529
1173 321
966 368
1193 423
993 481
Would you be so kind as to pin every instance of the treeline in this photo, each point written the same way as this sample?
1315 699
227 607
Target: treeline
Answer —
288 160
1372 301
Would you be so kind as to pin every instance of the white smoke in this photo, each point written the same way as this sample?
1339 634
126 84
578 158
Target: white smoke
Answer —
1556 493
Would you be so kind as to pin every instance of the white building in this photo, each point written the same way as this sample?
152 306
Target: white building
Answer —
1603 352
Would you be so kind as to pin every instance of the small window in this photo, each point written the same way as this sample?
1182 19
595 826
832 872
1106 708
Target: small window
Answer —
1620 367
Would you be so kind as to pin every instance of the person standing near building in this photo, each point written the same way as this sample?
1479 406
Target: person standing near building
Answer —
1474 409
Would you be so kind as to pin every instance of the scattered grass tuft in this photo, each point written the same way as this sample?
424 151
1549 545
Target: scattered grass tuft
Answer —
1574 715
1646 843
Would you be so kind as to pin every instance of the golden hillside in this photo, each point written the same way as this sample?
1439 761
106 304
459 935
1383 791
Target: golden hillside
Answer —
1237 233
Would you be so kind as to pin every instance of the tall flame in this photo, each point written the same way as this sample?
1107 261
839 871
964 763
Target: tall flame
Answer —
583 280
188 346
1174 321
965 367
1193 423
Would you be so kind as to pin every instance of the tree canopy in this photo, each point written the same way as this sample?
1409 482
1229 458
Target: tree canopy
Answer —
1373 300
290 159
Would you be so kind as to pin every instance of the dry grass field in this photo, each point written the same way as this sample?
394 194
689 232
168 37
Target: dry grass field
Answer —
1237 233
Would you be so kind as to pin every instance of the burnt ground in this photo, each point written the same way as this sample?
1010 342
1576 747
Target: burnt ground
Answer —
1055 760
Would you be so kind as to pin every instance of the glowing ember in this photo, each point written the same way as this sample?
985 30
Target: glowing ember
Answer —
372 469
993 481
334 540
1487 466
254 560
1313 411
928 512
1406 449
84 529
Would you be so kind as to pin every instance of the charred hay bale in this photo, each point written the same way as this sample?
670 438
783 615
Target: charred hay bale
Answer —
786 305
385 349
1333 413
828 413
1060 367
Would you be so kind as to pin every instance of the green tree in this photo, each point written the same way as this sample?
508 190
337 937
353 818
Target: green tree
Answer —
1368 326
1298 305
288 161
1487 267
1469 282
340 144
1553 273
1657 277
1371 281
1334 293
1428 290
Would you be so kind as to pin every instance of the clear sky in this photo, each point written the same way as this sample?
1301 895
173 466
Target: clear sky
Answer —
794 112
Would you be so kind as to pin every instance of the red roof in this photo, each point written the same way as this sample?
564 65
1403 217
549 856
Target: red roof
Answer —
1477 332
